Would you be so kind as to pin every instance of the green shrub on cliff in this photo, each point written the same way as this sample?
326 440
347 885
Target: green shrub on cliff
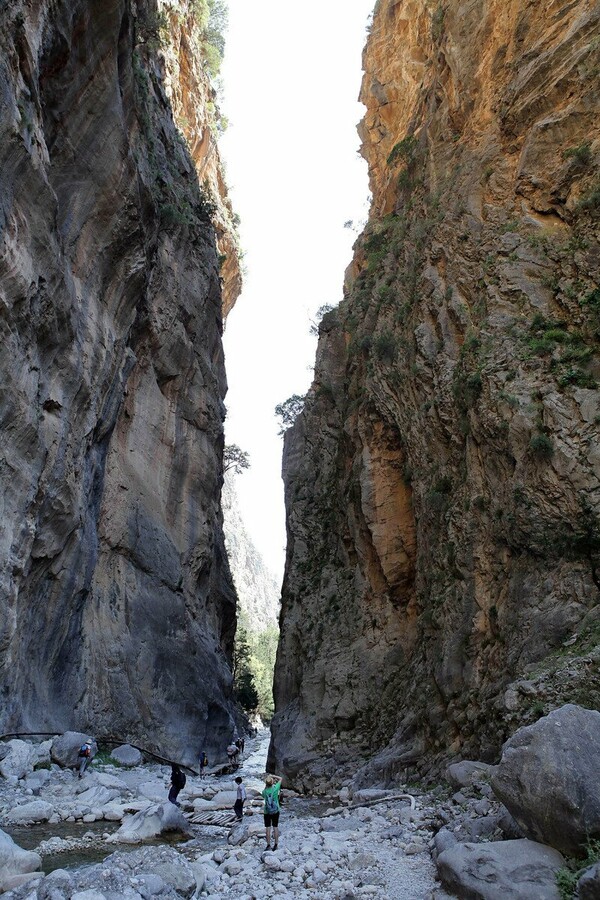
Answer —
211 18
541 446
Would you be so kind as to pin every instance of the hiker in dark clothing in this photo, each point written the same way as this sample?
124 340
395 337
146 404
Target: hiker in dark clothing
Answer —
177 783
85 757
203 762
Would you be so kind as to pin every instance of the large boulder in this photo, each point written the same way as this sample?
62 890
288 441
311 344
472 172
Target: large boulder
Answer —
239 834
126 755
224 800
150 822
65 748
14 860
153 790
37 780
144 873
501 870
19 759
467 773
173 868
97 795
27 813
549 778
111 781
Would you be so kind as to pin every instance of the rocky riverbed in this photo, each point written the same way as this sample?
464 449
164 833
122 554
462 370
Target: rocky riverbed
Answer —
388 841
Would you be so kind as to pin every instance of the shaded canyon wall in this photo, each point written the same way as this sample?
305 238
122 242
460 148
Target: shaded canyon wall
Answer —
442 483
117 609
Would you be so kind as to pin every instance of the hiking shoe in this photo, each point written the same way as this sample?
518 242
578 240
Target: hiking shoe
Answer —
274 846
268 847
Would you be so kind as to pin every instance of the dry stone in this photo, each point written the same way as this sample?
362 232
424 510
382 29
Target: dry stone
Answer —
151 822
502 870
549 778
19 760
36 811
14 860
126 755
467 773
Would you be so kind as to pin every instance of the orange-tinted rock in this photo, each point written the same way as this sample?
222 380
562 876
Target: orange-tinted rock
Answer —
442 483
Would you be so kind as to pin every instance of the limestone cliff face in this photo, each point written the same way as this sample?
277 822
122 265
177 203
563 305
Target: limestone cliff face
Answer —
117 608
442 483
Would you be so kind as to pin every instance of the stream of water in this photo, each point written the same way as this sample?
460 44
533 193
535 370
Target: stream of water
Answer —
91 847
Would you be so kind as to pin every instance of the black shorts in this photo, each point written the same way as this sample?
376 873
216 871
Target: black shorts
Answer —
271 819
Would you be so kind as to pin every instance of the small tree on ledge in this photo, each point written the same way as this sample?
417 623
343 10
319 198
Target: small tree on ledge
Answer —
235 458
289 410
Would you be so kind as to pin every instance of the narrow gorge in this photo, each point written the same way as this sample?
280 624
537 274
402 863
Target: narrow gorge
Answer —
436 696
442 481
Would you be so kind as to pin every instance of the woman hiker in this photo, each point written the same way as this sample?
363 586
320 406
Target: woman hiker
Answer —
271 809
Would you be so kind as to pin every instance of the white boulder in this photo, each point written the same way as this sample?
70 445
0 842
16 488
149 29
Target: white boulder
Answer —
19 760
36 811
150 822
14 860
126 755
153 790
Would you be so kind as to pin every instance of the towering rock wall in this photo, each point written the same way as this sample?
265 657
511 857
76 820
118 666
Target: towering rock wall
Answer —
117 611
442 483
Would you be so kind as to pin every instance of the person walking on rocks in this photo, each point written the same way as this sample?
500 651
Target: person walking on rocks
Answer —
203 761
232 754
85 757
177 783
271 808
238 806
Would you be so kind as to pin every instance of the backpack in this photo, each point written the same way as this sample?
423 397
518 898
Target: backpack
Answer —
84 750
271 804
179 780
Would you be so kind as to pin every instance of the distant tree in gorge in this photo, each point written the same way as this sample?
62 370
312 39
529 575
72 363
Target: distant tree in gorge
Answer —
244 687
235 458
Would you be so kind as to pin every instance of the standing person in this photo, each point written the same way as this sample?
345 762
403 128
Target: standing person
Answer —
238 806
203 761
232 754
177 783
271 809
85 757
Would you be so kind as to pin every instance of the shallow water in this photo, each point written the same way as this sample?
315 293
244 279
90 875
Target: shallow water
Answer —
29 837
206 838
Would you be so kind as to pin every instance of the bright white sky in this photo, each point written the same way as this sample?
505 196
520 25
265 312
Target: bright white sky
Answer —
291 78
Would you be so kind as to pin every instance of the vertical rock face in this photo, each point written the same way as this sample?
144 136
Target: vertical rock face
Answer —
117 612
442 483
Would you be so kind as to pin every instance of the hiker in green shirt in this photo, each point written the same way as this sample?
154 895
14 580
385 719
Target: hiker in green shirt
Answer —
271 810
